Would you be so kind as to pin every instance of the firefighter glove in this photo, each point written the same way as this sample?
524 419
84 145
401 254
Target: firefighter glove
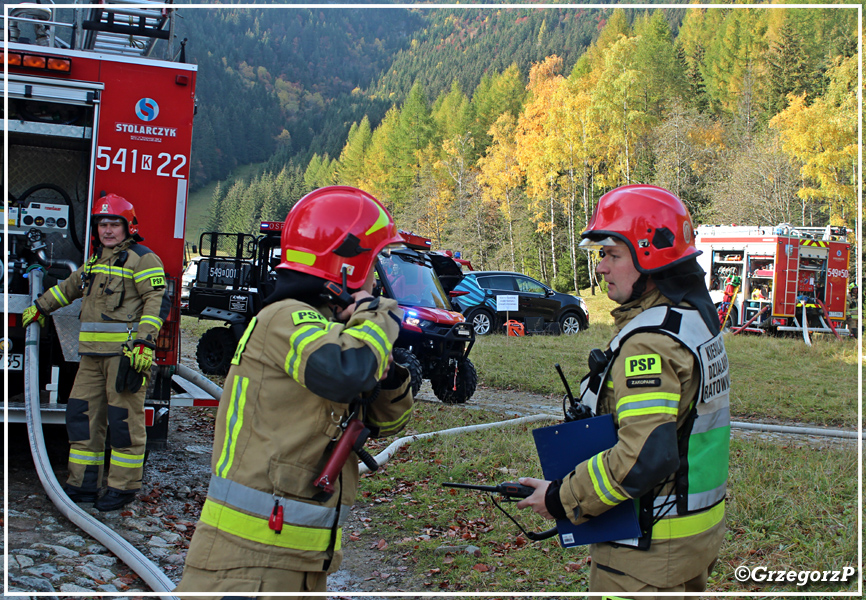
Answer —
141 357
30 314
128 379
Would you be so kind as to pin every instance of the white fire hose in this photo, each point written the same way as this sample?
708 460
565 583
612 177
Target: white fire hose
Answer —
149 572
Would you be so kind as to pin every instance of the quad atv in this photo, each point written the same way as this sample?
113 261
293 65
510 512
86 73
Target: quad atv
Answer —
434 341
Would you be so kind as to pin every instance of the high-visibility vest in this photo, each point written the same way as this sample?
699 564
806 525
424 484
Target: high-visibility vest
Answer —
696 502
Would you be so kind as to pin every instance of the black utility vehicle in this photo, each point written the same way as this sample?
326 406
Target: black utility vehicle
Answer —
235 272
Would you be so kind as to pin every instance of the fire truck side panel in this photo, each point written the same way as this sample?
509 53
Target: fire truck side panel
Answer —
143 154
791 267
837 280
786 277
115 124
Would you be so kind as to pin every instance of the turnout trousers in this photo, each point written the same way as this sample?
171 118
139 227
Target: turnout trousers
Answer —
95 406
608 581
249 582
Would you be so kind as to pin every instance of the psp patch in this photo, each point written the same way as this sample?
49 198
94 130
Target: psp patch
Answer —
308 316
643 364
157 281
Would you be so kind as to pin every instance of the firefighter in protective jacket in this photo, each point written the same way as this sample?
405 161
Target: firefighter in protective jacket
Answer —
124 306
665 381
309 361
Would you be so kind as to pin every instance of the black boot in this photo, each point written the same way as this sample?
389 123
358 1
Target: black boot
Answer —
77 495
114 499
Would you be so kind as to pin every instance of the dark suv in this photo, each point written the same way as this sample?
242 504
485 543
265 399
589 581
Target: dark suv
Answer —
539 308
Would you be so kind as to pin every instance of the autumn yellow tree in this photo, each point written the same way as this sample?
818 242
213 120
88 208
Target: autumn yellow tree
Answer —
823 138
618 107
500 175
433 197
569 145
536 162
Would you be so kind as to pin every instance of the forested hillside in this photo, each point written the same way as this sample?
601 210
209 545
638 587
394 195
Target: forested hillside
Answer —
280 80
748 114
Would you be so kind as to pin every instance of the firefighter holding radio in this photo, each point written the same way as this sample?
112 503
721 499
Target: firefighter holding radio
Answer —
664 378
124 306
311 378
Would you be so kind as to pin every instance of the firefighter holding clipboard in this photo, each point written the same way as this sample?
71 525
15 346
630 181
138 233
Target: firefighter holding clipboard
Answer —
664 379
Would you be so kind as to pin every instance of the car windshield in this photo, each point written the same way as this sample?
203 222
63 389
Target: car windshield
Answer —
413 282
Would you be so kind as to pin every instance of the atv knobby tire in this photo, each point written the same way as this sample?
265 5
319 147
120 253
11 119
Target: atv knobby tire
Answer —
443 382
411 362
215 351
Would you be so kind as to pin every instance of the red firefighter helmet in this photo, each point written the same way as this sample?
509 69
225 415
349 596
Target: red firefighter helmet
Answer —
112 205
653 223
335 227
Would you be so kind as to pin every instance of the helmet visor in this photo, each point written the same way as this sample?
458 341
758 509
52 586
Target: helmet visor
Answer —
386 251
597 242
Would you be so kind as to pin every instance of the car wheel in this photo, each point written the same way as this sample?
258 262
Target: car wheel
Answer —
482 321
569 324
452 389
411 362
215 351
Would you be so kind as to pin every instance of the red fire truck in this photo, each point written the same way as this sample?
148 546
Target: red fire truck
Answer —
91 109
786 278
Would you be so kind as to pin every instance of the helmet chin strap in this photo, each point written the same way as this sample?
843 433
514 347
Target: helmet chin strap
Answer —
639 287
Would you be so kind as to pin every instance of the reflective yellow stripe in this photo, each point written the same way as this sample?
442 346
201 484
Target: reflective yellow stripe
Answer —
91 336
652 403
255 529
236 359
373 340
234 423
603 489
392 425
303 258
142 275
293 359
58 295
680 527
646 411
130 461
121 272
155 321
648 396
82 457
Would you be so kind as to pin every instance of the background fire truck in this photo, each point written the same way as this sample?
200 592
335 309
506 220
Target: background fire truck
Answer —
91 110
798 274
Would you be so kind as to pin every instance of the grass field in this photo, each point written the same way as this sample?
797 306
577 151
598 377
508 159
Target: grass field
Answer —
790 506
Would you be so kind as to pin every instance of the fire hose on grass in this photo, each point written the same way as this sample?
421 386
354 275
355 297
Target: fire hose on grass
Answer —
381 458
149 572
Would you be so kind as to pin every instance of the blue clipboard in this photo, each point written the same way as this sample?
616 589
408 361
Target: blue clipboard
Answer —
560 449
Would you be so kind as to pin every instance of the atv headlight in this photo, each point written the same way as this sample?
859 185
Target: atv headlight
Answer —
416 322
412 318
